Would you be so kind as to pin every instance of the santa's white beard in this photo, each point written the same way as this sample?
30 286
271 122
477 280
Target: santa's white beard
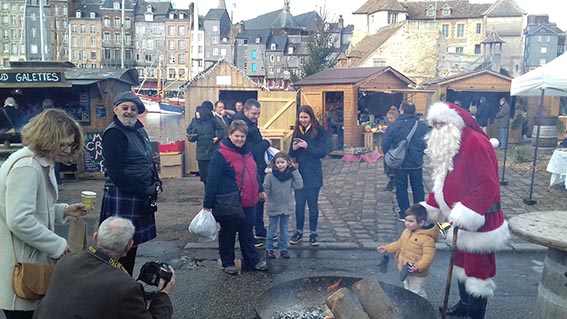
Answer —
442 145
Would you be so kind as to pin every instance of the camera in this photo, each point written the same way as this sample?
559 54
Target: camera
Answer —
152 271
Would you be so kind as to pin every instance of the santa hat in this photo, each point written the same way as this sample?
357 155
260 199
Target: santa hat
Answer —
447 112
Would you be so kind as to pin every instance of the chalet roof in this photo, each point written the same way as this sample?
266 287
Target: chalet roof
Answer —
210 69
493 37
215 14
279 19
279 40
307 20
348 76
504 8
372 6
552 27
125 75
251 35
109 5
459 9
466 75
370 44
86 10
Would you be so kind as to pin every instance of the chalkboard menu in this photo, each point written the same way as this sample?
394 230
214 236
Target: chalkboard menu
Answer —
93 153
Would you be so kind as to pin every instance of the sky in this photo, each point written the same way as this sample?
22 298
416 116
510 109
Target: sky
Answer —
248 9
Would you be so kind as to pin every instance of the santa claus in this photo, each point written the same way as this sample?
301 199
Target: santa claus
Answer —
466 191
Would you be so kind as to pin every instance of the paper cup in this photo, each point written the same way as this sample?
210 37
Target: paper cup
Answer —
88 198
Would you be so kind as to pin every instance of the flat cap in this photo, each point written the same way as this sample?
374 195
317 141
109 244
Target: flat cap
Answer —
128 96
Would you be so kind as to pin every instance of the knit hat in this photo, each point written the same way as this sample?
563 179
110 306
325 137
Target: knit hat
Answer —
128 96
447 112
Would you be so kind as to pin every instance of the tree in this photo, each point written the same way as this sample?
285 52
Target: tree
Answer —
321 48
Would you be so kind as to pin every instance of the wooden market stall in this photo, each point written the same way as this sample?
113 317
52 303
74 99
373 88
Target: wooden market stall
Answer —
339 95
86 94
224 81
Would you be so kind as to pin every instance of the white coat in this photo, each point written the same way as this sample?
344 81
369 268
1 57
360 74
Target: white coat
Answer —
28 195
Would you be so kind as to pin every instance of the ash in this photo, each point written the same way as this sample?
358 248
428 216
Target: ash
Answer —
315 314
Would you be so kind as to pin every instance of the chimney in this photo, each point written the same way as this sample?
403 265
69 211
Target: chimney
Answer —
222 4
341 22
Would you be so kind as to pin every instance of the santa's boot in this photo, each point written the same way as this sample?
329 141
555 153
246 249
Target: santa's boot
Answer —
476 307
460 308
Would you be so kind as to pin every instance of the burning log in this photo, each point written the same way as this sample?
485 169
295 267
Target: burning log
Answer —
344 305
374 300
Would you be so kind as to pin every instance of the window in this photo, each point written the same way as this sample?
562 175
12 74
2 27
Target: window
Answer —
73 28
171 16
215 40
92 15
33 49
93 28
127 23
290 50
107 53
74 41
172 59
171 30
106 22
543 50
106 37
33 32
223 52
446 11
539 38
272 58
93 66
182 59
216 51
83 28
75 55
93 55
548 38
445 30
272 46
430 11
253 55
181 30
83 42
478 28
460 30
128 38
78 14
257 40
171 45
459 50
117 22
116 5
215 28
254 67
542 61
181 72
84 55
117 37
477 49
171 73
392 17
271 69
181 44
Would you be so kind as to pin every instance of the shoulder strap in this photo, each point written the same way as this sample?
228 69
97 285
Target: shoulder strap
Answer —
410 135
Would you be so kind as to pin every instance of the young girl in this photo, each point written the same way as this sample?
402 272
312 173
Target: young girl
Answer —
278 186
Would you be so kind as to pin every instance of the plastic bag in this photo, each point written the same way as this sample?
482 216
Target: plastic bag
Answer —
269 154
204 225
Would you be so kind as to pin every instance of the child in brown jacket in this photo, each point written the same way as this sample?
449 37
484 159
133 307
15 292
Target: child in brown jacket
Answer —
416 246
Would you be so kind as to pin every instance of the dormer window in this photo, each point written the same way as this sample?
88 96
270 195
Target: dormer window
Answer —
116 5
171 16
258 40
181 16
272 46
446 11
92 15
78 14
430 11
290 50
149 9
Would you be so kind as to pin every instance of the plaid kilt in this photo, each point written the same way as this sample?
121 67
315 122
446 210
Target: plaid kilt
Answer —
115 203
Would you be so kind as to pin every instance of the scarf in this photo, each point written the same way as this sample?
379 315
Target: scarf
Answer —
283 176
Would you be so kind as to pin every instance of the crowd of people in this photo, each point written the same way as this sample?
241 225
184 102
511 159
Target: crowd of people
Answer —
240 185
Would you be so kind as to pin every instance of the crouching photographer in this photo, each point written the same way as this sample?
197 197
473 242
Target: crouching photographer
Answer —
93 284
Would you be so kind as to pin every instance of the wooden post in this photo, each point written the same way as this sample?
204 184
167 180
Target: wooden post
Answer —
344 305
374 300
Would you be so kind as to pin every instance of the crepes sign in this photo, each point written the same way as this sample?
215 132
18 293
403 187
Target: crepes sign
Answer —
32 77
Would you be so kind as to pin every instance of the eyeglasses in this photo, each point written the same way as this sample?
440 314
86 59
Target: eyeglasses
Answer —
71 146
437 123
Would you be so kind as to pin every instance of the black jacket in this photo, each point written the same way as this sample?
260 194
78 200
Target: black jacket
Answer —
400 130
309 159
205 131
254 142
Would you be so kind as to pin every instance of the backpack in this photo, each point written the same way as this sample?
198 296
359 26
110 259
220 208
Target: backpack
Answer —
396 155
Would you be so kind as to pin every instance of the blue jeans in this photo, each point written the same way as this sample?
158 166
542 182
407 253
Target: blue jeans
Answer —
503 136
401 181
309 196
283 220
229 226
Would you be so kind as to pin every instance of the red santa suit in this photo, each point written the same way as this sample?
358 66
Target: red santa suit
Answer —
469 196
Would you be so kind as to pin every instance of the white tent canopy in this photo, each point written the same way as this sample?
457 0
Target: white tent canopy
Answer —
551 77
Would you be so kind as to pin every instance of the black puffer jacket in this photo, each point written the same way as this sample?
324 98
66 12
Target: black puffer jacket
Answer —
400 130
204 129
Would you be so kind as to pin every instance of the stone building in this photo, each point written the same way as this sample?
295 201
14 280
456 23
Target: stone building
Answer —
111 13
544 42
86 38
11 30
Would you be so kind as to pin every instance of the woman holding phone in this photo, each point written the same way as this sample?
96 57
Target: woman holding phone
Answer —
309 146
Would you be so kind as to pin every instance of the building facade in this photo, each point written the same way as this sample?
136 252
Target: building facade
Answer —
84 48
11 28
544 42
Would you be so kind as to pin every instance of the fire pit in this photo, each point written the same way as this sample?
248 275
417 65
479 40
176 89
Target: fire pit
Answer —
305 297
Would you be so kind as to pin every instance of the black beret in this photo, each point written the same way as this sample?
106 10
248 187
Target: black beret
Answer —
129 97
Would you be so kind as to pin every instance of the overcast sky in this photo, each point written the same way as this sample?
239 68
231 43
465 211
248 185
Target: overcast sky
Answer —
248 9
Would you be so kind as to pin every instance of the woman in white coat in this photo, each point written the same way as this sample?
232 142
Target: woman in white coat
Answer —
28 196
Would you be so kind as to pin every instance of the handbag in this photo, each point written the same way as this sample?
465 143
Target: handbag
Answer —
230 205
396 155
30 280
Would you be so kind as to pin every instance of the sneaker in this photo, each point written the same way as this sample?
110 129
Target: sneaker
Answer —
296 238
260 237
270 254
261 266
232 270
259 244
275 237
284 254
390 186
313 240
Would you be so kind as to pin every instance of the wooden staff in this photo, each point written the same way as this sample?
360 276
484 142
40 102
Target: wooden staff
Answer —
450 272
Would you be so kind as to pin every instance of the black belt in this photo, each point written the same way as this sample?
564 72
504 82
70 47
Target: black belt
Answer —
494 208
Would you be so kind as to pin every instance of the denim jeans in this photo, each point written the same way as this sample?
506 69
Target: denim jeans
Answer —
416 181
503 136
229 226
309 196
283 221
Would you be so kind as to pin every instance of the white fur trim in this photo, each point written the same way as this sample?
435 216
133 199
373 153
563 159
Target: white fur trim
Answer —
482 242
463 216
440 199
441 112
433 213
479 287
459 273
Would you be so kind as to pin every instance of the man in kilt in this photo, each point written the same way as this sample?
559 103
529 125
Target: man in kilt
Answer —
131 179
